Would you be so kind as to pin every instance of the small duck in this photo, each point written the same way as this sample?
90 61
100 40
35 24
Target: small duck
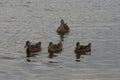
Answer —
32 48
55 48
51 50
63 28
77 51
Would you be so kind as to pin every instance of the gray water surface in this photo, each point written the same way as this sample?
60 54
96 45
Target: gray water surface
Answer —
95 21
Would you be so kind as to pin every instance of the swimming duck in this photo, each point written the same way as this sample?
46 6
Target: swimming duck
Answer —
32 48
84 49
63 28
55 48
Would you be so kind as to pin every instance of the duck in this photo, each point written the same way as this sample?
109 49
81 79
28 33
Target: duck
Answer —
77 51
52 50
63 28
84 49
55 48
32 48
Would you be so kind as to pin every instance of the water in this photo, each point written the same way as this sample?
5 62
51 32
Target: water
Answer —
95 21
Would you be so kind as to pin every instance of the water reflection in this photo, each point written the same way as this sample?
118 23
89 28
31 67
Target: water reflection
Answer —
77 60
62 37
28 60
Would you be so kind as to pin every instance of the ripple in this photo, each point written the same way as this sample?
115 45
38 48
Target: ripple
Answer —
7 58
2 72
88 21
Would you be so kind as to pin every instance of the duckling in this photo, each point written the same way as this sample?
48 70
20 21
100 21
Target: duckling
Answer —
32 48
77 51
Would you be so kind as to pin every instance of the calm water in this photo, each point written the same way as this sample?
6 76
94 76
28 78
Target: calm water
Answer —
95 21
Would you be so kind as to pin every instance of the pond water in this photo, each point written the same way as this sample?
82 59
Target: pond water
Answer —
95 21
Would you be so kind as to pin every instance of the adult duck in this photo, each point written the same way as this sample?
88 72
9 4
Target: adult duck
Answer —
55 48
84 49
32 48
63 28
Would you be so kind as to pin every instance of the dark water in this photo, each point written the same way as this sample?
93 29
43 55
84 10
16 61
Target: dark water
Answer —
95 21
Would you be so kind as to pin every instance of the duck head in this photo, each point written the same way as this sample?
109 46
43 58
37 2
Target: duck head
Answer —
27 44
78 44
62 21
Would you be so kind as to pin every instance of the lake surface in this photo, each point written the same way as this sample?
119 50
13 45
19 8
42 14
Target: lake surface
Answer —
95 21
